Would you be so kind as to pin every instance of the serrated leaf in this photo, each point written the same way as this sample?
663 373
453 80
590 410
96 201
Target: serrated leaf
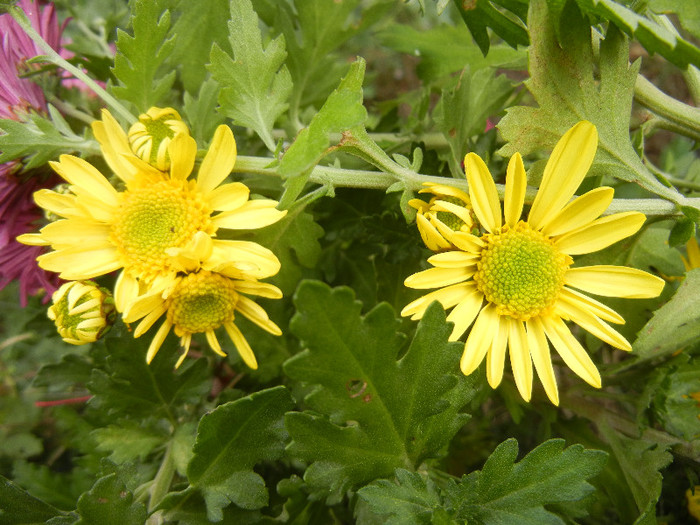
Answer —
131 388
255 83
673 403
231 440
109 501
675 325
36 141
563 84
197 28
509 492
139 59
372 413
127 440
462 111
480 14
72 370
201 111
18 507
688 12
342 110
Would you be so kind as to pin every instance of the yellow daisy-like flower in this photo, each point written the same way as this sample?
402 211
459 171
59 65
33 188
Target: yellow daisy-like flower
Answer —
449 210
201 302
150 136
82 311
693 255
515 283
161 224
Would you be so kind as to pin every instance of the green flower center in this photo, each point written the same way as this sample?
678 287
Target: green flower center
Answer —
164 215
201 302
521 271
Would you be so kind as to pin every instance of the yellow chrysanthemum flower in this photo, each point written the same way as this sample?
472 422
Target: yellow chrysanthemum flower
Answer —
448 210
516 283
82 311
150 136
693 255
201 302
154 228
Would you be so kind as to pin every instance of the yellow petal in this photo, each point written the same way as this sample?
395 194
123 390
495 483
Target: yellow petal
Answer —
183 151
84 175
453 259
448 297
564 172
582 302
600 233
252 215
445 190
229 196
580 211
149 320
32 239
496 356
516 184
479 340
437 277
539 351
244 349
214 343
229 256
483 193
255 313
467 242
59 203
157 341
431 237
185 342
219 160
260 289
570 350
449 207
693 254
464 313
520 360
615 281
594 325
77 264
115 146
72 232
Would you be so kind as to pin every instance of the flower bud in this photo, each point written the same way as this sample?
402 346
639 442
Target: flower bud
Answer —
150 136
83 312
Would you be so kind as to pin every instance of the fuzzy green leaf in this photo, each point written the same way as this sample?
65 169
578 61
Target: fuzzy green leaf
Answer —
564 86
372 413
671 402
139 59
675 325
255 83
342 110
127 440
109 501
231 440
200 111
509 492
480 14
38 140
688 12
18 507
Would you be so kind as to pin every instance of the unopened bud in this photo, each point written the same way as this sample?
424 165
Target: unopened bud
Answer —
150 136
83 312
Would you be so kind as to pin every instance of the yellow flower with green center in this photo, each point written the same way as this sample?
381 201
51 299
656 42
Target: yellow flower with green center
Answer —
449 210
150 136
201 302
82 311
516 284
160 224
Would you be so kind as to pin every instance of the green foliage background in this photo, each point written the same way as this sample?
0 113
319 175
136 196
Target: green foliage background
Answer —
341 109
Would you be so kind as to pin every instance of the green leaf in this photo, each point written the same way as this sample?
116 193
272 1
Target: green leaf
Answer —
688 12
509 492
109 501
480 14
127 440
672 402
19 507
197 28
139 59
675 325
72 370
231 440
563 84
372 413
342 110
131 388
201 111
463 110
409 500
255 85
38 140
681 232
445 49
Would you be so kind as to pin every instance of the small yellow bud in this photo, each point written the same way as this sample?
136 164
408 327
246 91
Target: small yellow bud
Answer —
83 312
150 136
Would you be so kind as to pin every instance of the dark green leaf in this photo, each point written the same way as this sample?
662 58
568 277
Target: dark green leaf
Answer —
18 507
127 440
201 111
672 402
137 64
372 413
109 501
480 14
72 370
231 440
681 232
255 85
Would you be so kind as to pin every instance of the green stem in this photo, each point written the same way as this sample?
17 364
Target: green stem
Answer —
685 116
53 57
163 480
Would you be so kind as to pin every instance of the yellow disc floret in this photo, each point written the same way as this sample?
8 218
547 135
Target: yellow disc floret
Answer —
201 302
163 215
521 271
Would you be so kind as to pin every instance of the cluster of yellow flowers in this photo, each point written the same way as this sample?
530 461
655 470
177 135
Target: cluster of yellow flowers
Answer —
163 230
515 279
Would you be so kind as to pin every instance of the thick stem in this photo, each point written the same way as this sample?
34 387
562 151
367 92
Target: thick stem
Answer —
163 480
685 116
